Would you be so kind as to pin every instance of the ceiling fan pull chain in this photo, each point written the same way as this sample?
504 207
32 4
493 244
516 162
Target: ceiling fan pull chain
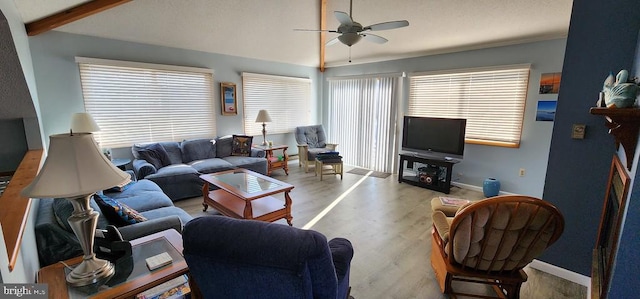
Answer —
349 54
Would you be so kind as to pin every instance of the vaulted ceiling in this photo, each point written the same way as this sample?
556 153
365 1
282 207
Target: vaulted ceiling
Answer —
264 29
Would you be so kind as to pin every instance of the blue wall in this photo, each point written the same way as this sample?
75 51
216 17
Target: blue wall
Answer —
58 79
602 38
481 161
624 282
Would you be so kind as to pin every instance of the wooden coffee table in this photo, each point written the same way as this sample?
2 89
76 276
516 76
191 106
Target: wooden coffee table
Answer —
245 194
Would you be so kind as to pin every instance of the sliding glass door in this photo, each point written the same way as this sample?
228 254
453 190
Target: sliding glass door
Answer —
362 120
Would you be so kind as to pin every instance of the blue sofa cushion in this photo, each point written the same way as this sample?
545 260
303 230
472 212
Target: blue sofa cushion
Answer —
117 212
198 149
62 210
155 154
211 165
223 146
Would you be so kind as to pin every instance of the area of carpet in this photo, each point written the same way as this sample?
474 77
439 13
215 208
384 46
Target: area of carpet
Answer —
375 174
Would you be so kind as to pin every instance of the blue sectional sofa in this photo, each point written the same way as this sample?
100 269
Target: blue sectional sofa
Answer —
179 177
56 241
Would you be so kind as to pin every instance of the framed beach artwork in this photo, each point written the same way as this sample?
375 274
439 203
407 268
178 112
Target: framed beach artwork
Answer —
546 110
550 83
228 98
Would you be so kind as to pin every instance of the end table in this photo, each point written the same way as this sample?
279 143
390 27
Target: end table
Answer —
275 162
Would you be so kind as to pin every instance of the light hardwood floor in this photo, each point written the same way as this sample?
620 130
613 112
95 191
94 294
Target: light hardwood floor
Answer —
388 224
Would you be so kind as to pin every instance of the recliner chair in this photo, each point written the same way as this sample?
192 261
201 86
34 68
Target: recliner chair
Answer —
235 258
490 241
311 140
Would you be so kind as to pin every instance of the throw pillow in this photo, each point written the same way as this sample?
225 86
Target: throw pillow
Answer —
155 154
117 212
241 145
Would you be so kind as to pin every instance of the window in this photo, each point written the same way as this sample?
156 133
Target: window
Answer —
362 120
287 99
491 99
138 102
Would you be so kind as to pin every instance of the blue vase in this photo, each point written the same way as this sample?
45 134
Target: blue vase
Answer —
491 187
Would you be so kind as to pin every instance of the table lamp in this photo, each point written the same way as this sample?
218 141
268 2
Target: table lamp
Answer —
75 169
263 117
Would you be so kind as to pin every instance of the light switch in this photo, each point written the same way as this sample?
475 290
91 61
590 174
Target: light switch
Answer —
578 131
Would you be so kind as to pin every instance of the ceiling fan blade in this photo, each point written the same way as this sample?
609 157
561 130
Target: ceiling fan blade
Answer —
343 18
374 38
332 41
387 25
315 30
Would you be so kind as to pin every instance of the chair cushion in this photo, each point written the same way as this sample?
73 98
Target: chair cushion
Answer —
155 154
117 212
241 145
313 136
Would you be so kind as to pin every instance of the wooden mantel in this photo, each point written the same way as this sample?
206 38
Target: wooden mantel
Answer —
14 208
624 125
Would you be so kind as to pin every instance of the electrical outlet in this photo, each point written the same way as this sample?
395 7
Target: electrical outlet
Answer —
521 172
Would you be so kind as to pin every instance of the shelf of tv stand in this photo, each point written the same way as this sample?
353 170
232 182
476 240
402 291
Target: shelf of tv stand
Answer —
443 186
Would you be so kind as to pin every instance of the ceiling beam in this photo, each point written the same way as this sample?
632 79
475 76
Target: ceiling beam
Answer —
323 34
73 14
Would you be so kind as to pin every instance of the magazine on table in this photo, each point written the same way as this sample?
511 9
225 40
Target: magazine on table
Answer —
451 201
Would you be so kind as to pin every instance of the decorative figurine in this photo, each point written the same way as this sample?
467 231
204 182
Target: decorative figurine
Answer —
620 93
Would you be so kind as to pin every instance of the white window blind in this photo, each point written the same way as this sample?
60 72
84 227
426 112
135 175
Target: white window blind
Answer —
136 103
491 99
287 99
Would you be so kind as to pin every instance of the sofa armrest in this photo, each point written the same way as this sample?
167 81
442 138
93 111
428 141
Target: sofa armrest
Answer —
331 146
142 168
342 254
258 153
150 226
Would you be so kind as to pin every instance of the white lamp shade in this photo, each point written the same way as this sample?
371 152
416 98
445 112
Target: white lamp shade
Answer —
74 166
263 117
83 123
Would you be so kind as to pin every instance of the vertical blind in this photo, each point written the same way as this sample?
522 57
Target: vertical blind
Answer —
491 99
136 104
287 99
362 120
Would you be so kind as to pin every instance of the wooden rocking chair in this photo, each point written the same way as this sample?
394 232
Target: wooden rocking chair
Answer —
490 241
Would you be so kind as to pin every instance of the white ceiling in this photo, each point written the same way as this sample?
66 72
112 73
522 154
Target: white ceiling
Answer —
264 29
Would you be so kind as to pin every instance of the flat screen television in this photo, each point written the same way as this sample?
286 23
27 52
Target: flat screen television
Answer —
438 138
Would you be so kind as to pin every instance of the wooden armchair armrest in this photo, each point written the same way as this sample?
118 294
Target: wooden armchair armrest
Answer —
332 146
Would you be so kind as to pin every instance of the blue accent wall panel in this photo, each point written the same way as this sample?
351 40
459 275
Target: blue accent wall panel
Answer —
602 39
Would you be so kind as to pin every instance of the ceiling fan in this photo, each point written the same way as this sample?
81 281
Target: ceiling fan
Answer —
352 32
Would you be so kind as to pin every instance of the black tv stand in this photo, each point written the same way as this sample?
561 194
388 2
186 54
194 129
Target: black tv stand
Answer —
435 183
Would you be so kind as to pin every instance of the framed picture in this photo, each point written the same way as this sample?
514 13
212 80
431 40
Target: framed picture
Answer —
550 82
546 110
228 98
615 201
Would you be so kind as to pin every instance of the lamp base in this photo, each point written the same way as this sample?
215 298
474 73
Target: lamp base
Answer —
83 222
91 271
